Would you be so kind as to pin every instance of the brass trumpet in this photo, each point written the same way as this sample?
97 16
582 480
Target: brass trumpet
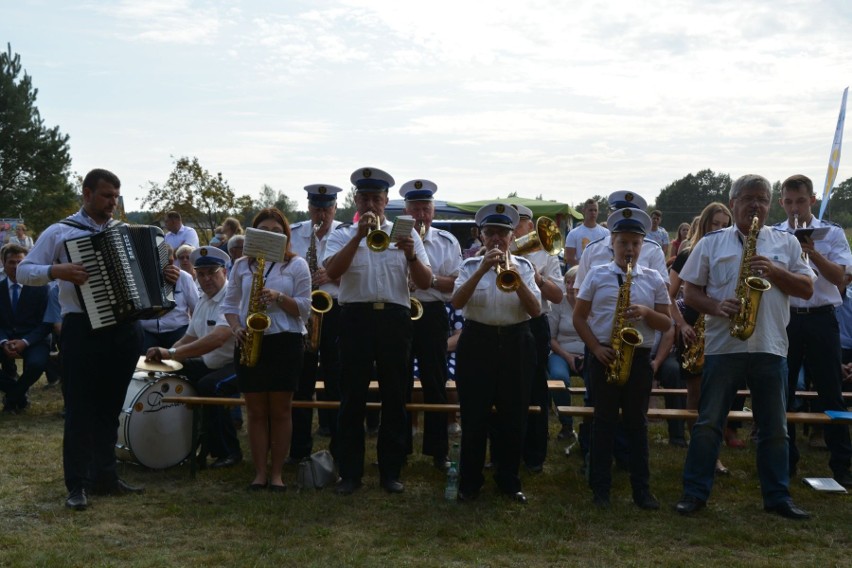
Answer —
377 240
508 279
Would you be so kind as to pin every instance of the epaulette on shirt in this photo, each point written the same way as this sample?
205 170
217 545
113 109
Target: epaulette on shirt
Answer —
596 241
447 235
296 225
521 259
343 226
647 240
834 224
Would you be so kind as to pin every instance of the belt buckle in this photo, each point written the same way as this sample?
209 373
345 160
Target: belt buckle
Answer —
378 305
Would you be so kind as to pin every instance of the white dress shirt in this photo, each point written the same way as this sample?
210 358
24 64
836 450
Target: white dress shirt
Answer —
186 298
300 241
374 276
290 277
600 252
445 258
488 304
715 263
601 288
208 315
184 235
835 248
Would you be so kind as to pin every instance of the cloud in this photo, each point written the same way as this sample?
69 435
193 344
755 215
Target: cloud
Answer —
168 21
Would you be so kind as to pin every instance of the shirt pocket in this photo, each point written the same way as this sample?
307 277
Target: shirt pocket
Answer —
724 269
479 298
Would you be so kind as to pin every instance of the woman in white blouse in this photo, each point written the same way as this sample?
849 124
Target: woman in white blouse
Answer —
566 356
268 386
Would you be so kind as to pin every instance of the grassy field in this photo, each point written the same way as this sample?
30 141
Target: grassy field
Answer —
214 521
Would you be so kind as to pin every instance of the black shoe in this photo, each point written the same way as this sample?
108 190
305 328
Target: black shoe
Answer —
646 501
347 486
788 510
77 500
441 463
600 500
277 488
678 442
844 479
689 505
119 487
535 468
229 461
518 497
392 486
467 496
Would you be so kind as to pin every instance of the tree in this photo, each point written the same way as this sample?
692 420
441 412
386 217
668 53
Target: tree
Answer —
347 212
201 198
684 198
35 177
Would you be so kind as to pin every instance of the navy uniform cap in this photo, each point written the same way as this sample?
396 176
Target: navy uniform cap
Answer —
322 194
497 215
418 190
629 220
523 211
371 179
625 198
209 256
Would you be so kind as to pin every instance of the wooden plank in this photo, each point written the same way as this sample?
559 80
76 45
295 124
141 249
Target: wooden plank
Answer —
215 401
668 413
664 392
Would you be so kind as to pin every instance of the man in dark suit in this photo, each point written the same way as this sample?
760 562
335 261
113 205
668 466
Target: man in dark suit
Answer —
24 333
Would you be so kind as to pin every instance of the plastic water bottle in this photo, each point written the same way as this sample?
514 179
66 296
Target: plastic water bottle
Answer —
452 490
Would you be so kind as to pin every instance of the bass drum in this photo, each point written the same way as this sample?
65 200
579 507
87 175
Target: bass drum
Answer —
152 433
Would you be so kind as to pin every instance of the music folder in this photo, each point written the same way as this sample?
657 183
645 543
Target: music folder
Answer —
827 484
271 246
815 233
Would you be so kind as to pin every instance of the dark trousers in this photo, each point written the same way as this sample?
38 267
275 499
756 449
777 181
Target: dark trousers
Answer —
429 346
35 363
324 363
632 399
815 342
373 341
494 367
97 367
535 443
219 436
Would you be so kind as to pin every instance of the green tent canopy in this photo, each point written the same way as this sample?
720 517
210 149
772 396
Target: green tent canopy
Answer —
539 207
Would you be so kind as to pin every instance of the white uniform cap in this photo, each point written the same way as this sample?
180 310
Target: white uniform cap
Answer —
209 256
322 194
625 198
371 179
418 190
629 220
497 215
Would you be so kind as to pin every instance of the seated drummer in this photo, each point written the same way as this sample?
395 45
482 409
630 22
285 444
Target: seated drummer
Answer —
207 354
648 310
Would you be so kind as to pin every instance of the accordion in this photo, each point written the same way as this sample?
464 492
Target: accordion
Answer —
125 265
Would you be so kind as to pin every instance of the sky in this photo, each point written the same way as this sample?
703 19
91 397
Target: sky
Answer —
563 99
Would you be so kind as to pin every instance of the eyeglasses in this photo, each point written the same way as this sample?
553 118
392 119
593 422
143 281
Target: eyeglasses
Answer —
206 272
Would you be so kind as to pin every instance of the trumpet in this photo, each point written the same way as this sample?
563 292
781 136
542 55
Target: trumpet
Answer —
508 279
416 305
377 240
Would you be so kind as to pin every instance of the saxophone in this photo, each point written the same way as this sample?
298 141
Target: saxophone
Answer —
624 338
693 354
750 288
256 321
321 301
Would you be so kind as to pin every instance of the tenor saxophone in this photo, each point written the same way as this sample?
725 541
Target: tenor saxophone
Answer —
257 321
624 338
321 301
750 288
693 354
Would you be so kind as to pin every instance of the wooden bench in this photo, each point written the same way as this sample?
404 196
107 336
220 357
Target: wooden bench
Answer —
665 392
196 402
669 413
451 385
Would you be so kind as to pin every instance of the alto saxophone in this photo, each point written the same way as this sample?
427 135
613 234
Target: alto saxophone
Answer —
624 338
693 354
257 321
321 301
750 288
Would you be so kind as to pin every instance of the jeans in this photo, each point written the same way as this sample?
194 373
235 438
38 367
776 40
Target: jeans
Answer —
558 370
766 376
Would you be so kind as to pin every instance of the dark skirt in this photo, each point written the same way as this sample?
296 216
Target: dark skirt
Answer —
278 367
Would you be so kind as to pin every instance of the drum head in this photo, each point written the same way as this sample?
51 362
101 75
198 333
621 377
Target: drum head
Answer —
158 435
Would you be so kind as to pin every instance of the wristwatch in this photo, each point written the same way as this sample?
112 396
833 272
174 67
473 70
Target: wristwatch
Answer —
434 283
172 352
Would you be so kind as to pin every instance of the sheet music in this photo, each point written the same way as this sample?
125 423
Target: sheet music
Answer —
402 227
271 246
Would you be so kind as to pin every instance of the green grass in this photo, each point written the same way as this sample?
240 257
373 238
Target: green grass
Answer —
213 521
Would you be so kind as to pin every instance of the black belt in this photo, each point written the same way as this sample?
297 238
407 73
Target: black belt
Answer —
374 306
497 329
827 309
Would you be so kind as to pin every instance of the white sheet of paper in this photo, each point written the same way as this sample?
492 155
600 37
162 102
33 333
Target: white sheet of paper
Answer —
402 227
271 246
